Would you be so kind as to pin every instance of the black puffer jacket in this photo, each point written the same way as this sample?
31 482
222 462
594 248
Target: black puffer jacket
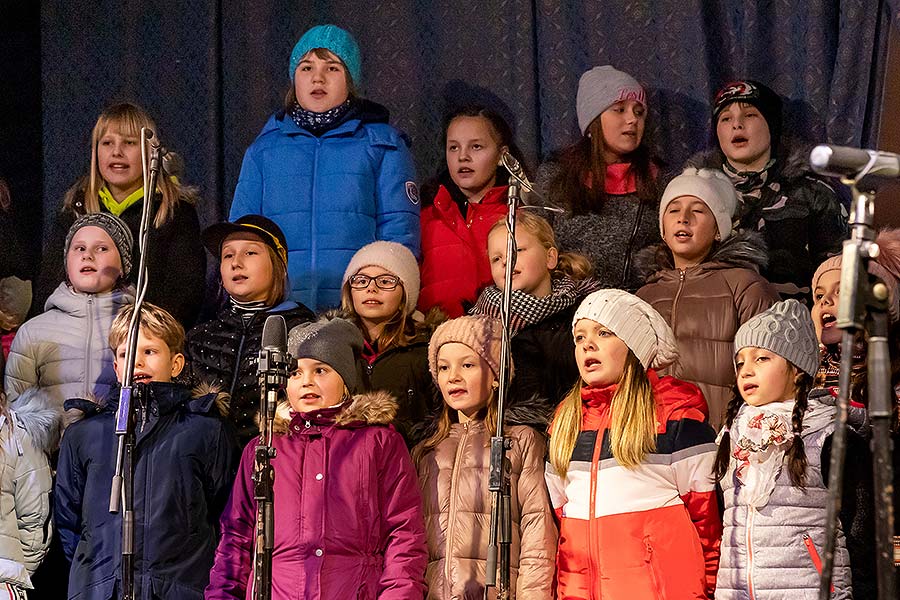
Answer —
225 351
403 373
176 259
799 215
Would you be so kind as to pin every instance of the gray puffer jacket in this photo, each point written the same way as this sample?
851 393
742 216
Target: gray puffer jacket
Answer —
776 551
27 434
65 350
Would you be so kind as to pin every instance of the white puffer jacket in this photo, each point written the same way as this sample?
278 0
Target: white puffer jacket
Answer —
26 436
65 350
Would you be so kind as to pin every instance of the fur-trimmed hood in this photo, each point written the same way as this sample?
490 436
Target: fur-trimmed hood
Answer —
792 159
39 415
361 410
743 249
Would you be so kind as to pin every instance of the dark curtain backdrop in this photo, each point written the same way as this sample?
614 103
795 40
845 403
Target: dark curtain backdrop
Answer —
211 71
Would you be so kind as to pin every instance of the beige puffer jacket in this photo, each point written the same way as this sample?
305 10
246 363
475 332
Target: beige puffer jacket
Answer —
457 508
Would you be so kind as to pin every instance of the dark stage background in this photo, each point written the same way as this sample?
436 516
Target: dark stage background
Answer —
211 71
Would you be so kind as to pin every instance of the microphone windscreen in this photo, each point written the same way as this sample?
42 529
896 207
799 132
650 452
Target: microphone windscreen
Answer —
274 334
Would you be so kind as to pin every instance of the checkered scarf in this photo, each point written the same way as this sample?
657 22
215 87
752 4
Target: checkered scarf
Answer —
526 309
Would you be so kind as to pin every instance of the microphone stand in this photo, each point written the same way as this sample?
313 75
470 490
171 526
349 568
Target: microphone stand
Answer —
499 475
863 307
273 374
121 497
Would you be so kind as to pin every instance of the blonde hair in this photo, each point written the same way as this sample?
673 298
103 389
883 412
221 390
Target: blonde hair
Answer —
128 119
632 428
573 265
397 332
154 321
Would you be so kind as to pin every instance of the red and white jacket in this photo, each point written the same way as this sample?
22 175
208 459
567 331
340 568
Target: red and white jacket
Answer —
648 532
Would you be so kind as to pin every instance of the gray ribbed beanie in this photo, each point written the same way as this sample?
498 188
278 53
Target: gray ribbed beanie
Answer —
336 343
785 329
634 322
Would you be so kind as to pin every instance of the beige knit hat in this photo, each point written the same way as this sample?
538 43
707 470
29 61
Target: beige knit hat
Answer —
713 187
479 332
886 267
634 322
395 258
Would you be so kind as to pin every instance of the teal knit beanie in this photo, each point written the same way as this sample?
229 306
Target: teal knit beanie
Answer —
334 39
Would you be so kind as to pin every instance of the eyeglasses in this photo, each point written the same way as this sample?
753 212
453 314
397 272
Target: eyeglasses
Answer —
382 282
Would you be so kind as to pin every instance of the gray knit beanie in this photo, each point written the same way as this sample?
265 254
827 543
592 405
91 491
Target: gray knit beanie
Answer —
600 88
114 227
394 258
335 342
479 332
710 185
785 329
634 322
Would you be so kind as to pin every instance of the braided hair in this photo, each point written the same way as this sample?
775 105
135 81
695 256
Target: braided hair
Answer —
796 454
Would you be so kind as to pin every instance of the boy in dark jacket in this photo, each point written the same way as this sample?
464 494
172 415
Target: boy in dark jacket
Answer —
184 462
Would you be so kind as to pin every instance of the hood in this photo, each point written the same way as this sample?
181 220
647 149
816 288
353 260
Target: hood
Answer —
166 396
370 408
40 417
743 249
64 298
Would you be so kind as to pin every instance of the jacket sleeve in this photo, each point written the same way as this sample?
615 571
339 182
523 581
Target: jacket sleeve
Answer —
21 364
537 528
32 499
753 297
179 278
69 492
248 193
695 454
233 563
405 554
397 198
827 223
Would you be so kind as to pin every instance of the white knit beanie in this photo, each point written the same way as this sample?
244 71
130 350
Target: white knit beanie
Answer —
634 322
785 329
600 88
710 185
394 258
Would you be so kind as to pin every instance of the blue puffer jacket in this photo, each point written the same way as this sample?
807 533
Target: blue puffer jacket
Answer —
331 195
184 464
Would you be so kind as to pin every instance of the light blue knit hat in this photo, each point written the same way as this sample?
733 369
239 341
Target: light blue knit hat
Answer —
331 37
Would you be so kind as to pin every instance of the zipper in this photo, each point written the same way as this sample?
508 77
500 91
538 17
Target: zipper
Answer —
594 544
637 224
814 555
750 553
237 362
681 275
313 246
453 493
654 576
88 376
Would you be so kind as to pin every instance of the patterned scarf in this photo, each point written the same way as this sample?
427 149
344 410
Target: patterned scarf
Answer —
748 182
527 309
318 123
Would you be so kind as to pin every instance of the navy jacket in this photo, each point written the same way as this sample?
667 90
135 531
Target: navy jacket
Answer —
185 462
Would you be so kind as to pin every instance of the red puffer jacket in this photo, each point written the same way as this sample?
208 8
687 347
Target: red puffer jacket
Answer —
454 250
647 533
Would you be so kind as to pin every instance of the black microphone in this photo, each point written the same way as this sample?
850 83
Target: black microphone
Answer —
275 363
843 161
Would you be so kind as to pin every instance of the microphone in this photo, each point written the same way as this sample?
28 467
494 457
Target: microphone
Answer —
509 162
843 161
275 363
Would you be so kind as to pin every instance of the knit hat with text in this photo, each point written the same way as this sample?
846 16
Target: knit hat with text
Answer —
600 88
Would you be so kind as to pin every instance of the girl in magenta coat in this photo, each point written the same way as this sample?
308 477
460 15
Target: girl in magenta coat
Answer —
348 516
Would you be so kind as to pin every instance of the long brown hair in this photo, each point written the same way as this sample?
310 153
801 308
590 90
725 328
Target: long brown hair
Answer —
632 429
583 161
128 119
796 454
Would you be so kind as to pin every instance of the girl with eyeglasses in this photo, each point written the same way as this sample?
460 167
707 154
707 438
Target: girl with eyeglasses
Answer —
379 294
